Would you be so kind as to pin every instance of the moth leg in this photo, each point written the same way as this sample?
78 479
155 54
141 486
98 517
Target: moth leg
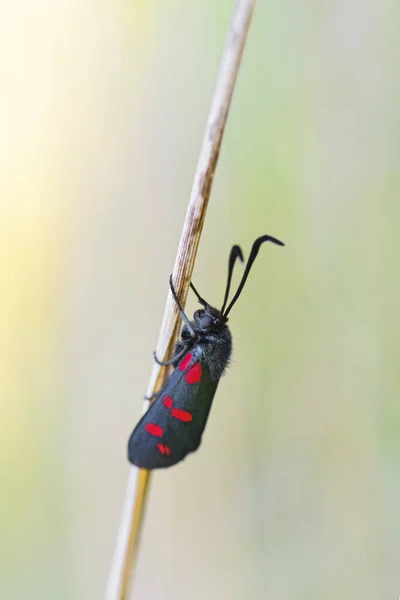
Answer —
173 359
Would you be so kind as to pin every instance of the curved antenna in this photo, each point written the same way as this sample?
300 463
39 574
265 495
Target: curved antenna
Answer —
236 253
252 258
199 298
180 309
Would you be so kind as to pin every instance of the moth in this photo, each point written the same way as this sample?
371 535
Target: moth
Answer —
173 425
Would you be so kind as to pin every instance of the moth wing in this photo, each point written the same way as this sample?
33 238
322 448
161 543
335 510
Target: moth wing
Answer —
148 433
192 398
174 424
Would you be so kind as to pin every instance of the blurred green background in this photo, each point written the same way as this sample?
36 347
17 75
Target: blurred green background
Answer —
295 493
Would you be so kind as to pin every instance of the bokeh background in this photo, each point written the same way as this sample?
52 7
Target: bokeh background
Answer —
295 493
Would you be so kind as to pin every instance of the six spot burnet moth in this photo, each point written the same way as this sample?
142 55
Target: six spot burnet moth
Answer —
174 423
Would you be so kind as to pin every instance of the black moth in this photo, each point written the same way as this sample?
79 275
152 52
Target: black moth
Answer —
174 423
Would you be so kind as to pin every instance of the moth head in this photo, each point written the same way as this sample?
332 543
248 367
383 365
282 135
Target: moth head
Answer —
209 319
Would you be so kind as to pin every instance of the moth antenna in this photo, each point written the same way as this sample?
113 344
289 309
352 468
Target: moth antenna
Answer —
199 298
253 254
236 253
180 309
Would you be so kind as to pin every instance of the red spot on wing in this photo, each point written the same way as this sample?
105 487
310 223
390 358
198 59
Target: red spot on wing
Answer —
154 429
194 373
167 401
164 449
182 415
185 361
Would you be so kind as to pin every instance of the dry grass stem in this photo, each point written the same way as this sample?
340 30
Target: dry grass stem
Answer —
131 521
